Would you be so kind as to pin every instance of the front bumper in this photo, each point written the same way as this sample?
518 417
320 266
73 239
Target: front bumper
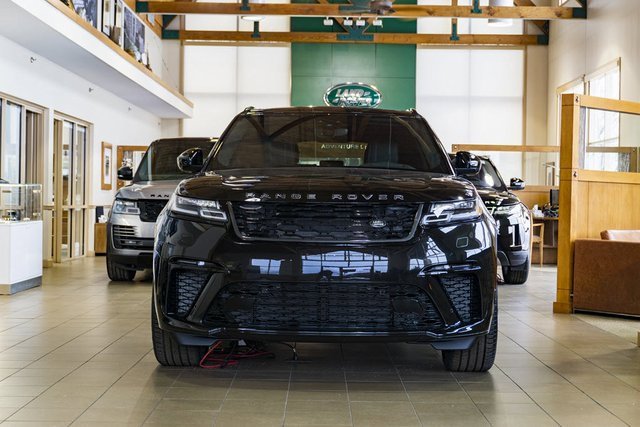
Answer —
514 239
130 241
324 292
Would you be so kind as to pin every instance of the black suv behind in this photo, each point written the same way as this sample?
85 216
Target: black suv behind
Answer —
326 224
512 218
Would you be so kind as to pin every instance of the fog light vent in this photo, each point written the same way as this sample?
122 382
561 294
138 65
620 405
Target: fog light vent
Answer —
185 287
464 295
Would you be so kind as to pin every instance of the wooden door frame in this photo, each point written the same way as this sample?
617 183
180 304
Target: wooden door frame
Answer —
120 156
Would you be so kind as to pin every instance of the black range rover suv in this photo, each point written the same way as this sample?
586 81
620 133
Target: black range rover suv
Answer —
512 216
325 224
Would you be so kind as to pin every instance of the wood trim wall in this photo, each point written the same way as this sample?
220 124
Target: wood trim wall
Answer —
632 151
590 201
511 148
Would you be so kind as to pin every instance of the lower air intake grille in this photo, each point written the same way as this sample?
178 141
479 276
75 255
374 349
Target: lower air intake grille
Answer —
124 237
184 288
323 307
464 294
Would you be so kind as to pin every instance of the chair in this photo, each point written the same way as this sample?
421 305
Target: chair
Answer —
539 239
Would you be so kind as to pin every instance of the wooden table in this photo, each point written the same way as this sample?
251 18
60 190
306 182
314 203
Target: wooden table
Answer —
100 238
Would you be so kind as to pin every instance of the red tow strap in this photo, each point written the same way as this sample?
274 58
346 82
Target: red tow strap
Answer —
219 358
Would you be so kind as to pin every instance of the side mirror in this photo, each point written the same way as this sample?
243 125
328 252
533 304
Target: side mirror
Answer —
516 184
191 160
125 173
466 163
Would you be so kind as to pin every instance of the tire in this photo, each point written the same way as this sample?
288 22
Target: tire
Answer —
516 276
117 273
170 353
481 355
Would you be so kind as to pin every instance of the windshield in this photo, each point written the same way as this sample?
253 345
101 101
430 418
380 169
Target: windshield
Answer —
338 139
488 177
160 161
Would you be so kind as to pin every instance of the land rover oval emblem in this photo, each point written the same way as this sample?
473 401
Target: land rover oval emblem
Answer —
378 223
353 95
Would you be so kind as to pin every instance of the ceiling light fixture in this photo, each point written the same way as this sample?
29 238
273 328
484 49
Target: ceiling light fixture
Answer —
360 22
500 22
328 22
377 22
347 21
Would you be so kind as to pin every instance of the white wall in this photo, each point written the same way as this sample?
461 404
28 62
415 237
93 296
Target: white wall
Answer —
580 47
223 80
58 90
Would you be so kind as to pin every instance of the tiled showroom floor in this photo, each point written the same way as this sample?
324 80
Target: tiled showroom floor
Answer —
78 351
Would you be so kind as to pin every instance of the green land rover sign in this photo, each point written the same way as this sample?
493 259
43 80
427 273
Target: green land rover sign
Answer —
352 95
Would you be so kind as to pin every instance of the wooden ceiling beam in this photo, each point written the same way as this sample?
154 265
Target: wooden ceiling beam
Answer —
332 9
543 25
381 38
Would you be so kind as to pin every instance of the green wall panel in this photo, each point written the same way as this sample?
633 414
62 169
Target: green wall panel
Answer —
316 66
391 68
353 59
307 90
396 61
311 61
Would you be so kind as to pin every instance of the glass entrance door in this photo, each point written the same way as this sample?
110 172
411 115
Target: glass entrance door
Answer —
68 198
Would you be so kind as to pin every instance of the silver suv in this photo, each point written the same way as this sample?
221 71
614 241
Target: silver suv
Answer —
133 215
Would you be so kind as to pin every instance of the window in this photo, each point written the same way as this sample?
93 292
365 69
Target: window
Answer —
603 126
474 96
273 139
20 134
10 151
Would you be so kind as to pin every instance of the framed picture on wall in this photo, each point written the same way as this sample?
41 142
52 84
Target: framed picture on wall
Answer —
108 16
89 10
117 22
140 40
134 35
107 166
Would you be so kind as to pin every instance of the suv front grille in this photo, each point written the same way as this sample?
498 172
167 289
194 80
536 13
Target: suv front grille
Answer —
323 307
464 295
150 209
184 288
325 222
124 237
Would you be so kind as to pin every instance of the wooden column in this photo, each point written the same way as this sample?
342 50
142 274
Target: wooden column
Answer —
570 127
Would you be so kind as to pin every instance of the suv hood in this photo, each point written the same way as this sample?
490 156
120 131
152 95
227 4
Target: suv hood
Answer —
154 190
491 197
326 184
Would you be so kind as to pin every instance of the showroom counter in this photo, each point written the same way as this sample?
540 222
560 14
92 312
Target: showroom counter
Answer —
20 256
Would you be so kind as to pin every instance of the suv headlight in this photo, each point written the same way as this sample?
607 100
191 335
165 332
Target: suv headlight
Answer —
125 207
448 212
509 210
208 209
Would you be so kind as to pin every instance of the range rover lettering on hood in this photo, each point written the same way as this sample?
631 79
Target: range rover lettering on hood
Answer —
351 197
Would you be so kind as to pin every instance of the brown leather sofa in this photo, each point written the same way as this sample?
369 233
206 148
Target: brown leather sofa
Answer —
606 274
